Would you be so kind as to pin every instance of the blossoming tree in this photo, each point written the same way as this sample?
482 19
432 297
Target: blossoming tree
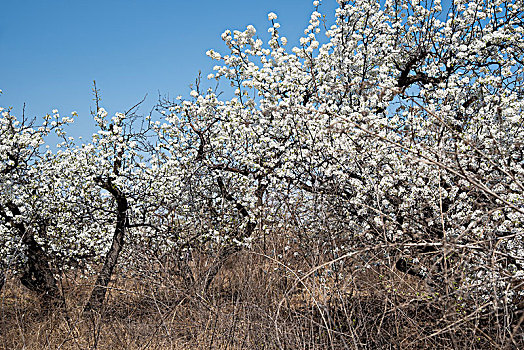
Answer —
404 127
398 129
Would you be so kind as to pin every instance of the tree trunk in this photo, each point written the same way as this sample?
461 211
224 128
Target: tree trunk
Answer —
228 251
211 273
38 276
98 293
2 280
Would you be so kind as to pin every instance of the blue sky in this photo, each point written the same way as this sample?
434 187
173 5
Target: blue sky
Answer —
52 50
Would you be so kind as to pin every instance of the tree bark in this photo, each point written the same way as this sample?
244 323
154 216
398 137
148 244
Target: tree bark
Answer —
2 280
98 293
211 273
228 251
38 276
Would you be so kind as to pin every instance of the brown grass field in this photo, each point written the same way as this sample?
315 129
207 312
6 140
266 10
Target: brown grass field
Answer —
256 302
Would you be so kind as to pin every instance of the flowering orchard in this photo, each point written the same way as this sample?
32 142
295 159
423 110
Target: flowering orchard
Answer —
396 130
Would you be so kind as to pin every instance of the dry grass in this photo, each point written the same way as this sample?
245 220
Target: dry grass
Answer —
256 302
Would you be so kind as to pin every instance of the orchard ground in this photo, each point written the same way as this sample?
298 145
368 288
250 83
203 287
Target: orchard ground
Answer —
257 302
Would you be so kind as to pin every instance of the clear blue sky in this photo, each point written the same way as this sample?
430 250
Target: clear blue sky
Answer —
52 50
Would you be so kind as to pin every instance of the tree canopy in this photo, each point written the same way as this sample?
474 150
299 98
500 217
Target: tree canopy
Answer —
398 128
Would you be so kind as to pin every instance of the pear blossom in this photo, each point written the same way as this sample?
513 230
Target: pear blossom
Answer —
400 133
271 16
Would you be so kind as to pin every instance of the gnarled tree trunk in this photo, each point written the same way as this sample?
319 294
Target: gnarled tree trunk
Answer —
2 280
228 251
38 276
98 293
